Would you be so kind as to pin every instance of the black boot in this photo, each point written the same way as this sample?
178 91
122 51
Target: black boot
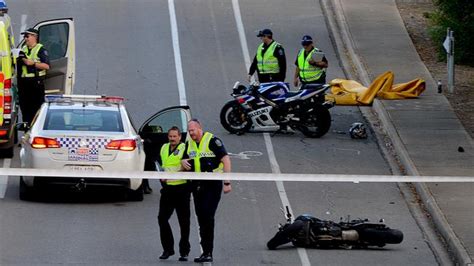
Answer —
166 255
205 257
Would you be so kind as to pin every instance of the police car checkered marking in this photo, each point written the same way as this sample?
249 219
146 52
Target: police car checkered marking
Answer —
92 143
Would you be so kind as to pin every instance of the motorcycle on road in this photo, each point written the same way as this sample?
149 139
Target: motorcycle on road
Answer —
270 107
309 231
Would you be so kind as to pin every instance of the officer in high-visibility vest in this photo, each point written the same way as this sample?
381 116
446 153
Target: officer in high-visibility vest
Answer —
309 71
206 153
32 67
270 59
175 195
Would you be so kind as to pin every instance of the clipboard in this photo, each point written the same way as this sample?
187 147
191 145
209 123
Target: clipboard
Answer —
317 56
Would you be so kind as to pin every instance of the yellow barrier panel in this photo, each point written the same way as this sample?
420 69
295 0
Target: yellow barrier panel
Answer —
350 92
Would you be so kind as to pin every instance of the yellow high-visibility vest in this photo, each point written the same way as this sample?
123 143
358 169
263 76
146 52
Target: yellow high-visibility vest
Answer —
268 63
172 162
202 150
308 72
32 56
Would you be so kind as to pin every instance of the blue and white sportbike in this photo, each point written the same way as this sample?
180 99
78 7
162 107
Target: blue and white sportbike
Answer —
271 107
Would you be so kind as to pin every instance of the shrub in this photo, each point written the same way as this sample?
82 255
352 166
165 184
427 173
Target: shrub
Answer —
458 15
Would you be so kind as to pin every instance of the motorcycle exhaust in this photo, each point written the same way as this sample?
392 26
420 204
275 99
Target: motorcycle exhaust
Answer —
350 235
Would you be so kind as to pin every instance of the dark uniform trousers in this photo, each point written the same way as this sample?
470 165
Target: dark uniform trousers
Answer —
263 78
207 195
175 198
31 96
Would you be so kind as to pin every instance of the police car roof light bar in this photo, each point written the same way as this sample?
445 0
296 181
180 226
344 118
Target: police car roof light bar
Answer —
83 98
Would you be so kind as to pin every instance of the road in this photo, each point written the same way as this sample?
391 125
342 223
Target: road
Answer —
126 48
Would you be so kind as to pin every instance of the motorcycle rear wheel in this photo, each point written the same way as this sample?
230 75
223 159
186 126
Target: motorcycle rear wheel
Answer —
234 119
380 237
317 123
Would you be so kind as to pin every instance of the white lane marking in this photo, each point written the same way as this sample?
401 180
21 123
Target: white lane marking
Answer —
4 179
179 75
268 142
177 54
23 26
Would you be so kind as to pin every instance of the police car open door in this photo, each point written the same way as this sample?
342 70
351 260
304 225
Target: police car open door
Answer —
58 38
154 131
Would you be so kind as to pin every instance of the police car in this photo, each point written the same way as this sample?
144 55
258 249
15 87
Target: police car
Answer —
58 37
82 132
94 133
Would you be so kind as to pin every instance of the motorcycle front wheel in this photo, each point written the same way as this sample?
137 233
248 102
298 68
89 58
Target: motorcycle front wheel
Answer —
234 119
285 235
317 122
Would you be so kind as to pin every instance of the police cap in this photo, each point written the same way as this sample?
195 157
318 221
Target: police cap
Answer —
265 32
31 31
306 40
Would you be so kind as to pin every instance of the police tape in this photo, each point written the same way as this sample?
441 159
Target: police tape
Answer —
229 176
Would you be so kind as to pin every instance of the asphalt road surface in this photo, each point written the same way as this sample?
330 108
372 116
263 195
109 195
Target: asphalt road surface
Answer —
126 48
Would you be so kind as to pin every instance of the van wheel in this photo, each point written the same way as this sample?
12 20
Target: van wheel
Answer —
7 153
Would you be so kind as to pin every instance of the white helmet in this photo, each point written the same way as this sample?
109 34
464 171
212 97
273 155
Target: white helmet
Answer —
358 131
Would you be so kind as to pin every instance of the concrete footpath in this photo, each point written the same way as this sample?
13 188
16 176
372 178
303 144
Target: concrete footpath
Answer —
426 133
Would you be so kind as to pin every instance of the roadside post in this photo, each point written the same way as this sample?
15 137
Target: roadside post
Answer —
448 45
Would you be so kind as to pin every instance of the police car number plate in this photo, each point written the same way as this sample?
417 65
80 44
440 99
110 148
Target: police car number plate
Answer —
84 168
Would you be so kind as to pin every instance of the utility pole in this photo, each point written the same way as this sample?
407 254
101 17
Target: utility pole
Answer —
448 45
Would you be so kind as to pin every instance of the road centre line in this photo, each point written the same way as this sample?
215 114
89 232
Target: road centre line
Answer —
180 78
177 53
268 142
23 24
4 179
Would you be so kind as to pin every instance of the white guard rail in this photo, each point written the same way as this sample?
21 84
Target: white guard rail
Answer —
231 176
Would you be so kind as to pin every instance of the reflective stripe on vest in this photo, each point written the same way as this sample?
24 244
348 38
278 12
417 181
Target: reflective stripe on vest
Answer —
196 152
172 162
268 63
33 56
308 72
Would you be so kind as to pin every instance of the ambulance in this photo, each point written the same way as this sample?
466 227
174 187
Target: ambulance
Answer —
58 38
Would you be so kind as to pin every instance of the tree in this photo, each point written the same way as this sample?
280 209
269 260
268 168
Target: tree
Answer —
458 15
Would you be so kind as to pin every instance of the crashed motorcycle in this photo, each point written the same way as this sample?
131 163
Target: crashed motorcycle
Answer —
310 232
272 107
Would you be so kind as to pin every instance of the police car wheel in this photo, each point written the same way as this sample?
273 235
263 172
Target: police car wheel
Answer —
26 193
135 195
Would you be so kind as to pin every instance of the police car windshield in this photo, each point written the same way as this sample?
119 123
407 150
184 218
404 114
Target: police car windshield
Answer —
83 120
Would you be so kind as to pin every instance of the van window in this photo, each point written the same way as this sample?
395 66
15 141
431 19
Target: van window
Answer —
54 38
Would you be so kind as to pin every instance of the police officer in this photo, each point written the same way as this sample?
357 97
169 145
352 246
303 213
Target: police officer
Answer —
270 59
206 153
309 71
175 195
33 66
